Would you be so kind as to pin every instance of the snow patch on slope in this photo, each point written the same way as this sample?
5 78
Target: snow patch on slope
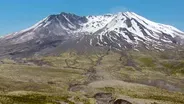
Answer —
95 23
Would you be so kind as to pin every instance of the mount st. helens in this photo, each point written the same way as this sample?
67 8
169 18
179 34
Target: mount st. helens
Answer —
65 31
108 59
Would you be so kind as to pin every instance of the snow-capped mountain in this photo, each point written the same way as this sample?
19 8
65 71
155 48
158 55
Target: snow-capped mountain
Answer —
119 31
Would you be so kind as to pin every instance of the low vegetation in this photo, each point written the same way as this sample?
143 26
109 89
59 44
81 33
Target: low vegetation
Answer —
141 78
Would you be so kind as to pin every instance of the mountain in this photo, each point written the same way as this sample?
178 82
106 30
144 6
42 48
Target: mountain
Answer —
66 31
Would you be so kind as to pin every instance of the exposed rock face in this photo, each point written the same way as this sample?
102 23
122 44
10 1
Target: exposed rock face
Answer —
107 98
121 101
104 98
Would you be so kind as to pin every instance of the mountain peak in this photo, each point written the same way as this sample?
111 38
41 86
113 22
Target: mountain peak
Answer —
65 13
68 14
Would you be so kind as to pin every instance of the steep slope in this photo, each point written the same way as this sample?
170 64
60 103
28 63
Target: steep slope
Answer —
68 31
130 28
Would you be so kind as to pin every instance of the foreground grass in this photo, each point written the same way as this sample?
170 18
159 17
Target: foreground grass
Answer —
146 92
43 98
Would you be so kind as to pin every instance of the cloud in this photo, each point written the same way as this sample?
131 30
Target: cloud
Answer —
118 9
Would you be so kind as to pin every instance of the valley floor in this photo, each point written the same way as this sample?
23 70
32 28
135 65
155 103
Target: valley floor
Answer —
93 78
